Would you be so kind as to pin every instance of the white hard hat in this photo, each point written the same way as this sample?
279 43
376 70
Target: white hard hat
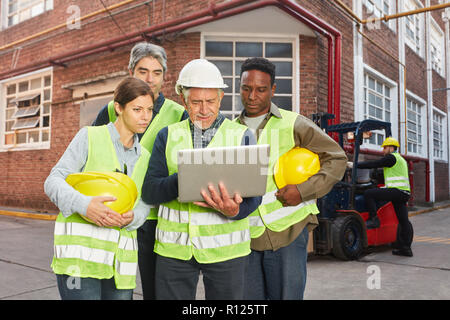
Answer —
199 73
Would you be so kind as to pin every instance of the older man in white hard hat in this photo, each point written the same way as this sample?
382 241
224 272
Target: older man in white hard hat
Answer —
211 236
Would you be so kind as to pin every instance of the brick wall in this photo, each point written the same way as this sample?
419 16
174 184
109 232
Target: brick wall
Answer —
25 171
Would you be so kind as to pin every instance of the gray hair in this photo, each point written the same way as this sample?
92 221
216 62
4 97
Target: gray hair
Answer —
146 49
185 91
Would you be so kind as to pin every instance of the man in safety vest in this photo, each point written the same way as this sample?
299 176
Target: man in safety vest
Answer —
396 179
212 236
148 62
279 227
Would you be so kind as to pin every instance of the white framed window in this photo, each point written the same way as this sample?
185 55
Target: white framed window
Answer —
17 11
381 8
415 126
414 27
25 110
228 54
437 47
379 104
439 135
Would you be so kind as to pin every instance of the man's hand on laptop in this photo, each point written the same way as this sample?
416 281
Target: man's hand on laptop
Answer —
220 201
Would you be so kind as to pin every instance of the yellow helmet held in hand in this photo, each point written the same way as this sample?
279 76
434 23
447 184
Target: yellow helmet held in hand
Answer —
115 184
390 142
295 167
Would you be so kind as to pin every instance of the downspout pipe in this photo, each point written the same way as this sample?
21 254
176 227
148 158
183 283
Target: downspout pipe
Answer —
337 53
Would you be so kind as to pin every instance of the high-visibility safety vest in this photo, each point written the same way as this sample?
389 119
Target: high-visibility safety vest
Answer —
170 112
279 134
184 229
397 175
83 249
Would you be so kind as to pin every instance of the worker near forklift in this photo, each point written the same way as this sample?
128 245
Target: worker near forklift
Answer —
397 191
279 227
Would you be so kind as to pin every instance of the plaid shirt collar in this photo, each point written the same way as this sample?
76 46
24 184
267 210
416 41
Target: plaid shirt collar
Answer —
202 137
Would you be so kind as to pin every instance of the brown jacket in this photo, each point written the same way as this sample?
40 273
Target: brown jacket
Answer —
332 167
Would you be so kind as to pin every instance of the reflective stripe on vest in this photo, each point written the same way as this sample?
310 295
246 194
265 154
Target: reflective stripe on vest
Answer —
397 175
279 133
184 229
84 249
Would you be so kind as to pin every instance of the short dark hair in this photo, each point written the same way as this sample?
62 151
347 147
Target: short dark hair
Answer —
129 89
260 64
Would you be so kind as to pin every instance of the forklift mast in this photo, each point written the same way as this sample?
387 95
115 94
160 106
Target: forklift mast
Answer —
358 128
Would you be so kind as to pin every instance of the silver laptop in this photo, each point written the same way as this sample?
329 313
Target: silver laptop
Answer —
242 169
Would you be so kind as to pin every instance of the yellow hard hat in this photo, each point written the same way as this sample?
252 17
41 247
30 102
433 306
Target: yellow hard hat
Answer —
295 167
390 142
113 184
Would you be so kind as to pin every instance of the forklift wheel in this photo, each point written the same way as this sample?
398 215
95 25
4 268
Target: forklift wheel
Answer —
348 241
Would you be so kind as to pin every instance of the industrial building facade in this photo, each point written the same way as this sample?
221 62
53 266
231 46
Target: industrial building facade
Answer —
61 60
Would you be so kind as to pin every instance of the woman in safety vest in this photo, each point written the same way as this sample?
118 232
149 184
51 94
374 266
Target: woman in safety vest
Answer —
97 259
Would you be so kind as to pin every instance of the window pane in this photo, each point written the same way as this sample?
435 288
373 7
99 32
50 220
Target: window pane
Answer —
238 106
371 98
37 9
371 83
46 121
46 108
226 103
11 89
229 83
33 137
48 4
225 67
283 102
379 87
23 86
9 113
379 114
47 81
279 50
237 85
24 15
380 139
9 125
237 67
283 86
45 136
378 101
9 138
248 49
219 49
35 83
12 7
46 95
283 69
21 137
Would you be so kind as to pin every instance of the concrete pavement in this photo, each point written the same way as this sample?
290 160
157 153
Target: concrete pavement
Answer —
26 252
